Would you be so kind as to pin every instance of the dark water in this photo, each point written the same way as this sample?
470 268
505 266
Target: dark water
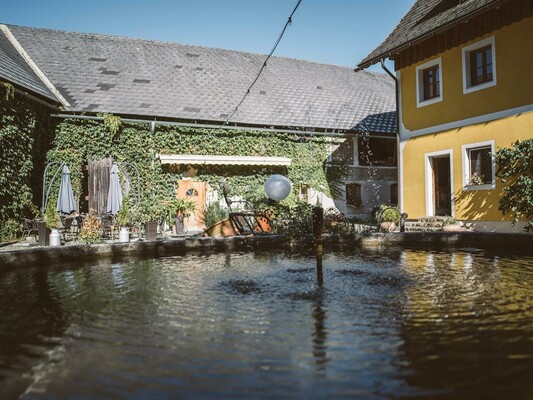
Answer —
410 324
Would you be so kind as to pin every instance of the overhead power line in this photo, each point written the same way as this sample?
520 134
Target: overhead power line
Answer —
289 21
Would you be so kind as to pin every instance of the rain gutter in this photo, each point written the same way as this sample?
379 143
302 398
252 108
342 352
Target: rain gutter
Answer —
152 123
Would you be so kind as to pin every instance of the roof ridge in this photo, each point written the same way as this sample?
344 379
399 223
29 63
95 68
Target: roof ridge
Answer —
165 42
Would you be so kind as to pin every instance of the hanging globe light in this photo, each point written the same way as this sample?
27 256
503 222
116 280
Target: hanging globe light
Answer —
277 187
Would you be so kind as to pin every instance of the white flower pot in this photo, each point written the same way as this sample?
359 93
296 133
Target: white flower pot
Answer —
124 235
55 238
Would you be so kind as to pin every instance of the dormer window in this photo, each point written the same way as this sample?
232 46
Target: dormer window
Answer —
429 83
479 65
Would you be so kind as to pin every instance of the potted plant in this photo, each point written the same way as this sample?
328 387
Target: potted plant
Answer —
52 221
388 217
216 220
124 221
449 224
176 211
476 179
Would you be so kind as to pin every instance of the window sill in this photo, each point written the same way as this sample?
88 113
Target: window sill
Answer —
429 101
487 186
481 86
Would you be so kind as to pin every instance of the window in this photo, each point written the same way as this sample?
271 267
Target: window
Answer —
304 193
429 83
377 151
353 195
479 66
430 78
478 166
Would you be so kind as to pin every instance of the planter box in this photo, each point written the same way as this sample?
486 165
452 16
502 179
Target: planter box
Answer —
44 234
150 230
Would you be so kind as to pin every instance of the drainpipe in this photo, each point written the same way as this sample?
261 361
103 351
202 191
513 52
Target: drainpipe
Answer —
397 89
397 92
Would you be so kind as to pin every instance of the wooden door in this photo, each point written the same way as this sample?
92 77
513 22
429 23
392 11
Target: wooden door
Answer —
442 186
196 192
98 184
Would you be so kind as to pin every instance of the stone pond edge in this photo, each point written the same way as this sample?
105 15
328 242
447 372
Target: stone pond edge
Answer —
511 243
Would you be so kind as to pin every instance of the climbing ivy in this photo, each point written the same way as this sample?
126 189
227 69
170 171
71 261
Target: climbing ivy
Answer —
113 123
24 128
78 140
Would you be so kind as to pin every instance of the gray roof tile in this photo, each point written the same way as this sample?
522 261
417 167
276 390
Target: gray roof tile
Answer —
147 74
424 17
13 68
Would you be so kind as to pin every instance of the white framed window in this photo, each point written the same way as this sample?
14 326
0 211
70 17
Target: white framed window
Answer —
479 170
429 83
479 65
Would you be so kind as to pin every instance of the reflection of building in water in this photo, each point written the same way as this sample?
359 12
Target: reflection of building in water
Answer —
468 323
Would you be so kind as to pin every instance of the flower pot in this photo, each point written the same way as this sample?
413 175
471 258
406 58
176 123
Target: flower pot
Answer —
150 230
55 238
222 228
388 226
124 235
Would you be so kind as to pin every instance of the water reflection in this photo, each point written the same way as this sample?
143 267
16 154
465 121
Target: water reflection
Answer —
320 335
403 324
470 322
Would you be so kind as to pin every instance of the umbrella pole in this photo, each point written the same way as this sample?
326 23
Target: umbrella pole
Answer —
46 193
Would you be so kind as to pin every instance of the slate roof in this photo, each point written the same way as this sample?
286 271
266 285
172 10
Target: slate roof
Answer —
424 17
100 73
15 70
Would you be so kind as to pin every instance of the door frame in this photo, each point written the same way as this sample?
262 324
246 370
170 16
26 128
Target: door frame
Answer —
430 193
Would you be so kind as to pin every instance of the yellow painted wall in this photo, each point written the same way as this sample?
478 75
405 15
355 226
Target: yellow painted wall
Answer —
514 88
469 205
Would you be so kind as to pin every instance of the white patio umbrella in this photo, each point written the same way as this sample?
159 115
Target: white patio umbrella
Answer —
65 201
114 195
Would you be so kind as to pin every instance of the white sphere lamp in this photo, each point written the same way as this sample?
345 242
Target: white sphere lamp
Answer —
277 187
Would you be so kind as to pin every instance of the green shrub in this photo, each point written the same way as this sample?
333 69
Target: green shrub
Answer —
514 166
51 217
10 230
91 229
389 213
124 215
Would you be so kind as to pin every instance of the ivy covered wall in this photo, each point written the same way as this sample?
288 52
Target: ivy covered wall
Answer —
24 140
78 140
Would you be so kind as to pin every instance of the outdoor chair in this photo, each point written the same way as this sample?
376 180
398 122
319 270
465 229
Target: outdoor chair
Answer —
28 227
243 217
65 231
108 226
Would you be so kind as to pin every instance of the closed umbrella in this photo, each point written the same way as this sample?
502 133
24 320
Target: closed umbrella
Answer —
114 195
65 202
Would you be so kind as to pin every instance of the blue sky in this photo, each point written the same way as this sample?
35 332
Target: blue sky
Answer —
339 32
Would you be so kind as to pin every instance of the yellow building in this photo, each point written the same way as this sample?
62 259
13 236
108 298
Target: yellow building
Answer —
464 74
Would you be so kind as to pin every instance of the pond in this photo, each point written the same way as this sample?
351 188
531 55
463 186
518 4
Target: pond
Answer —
403 324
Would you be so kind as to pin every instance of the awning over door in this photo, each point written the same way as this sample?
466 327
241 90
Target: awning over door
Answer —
222 160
